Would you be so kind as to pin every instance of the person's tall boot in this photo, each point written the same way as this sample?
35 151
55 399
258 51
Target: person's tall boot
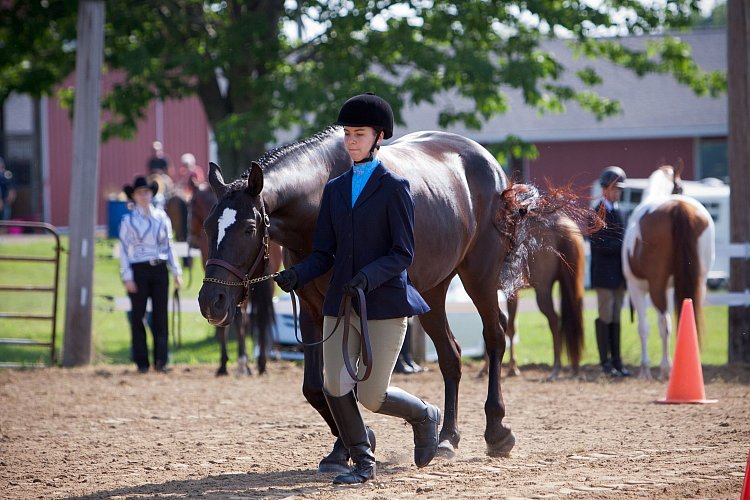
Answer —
337 462
423 417
603 343
614 342
354 435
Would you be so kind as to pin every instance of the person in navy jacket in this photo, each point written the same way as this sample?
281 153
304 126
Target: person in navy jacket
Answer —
607 277
365 232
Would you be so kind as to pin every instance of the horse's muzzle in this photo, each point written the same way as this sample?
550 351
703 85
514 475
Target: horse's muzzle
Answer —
216 306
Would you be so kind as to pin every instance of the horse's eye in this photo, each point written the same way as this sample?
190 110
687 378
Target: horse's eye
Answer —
251 227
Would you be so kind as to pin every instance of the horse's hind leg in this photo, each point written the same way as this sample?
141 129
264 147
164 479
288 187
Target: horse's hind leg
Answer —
638 300
481 285
547 306
510 333
435 323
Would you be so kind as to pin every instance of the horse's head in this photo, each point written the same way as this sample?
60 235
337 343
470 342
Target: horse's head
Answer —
662 182
237 231
201 202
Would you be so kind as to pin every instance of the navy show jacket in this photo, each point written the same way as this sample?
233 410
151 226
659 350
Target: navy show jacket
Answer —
376 237
606 252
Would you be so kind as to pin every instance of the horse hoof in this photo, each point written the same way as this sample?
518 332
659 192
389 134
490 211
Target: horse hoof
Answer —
221 372
645 373
445 450
513 372
503 447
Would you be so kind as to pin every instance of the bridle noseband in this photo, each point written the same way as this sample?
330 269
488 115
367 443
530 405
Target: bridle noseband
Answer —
245 279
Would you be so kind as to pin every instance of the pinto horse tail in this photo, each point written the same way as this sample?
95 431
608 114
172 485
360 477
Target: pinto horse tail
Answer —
571 277
686 229
264 319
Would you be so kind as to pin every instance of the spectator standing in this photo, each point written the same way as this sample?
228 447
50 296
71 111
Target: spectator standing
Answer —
146 258
607 277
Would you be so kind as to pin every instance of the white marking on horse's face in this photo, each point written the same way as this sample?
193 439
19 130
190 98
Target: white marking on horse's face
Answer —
228 217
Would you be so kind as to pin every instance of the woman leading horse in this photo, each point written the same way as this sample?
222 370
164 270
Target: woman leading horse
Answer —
467 221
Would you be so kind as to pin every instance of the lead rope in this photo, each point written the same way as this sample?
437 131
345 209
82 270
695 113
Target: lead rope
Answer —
345 312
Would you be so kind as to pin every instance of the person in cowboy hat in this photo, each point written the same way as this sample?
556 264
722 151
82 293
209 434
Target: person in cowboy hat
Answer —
365 232
146 258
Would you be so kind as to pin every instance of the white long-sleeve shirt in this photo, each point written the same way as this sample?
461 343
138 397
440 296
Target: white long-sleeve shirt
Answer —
146 237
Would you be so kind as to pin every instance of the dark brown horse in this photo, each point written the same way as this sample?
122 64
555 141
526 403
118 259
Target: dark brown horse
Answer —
468 221
559 258
260 319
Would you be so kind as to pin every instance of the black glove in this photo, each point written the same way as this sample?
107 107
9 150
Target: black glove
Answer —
358 281
287 279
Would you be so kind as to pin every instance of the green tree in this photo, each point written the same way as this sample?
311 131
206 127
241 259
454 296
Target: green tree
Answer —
262 66
37 47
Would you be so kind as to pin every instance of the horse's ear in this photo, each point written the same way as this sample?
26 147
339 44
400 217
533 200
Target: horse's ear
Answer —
255 180
216 180
678 168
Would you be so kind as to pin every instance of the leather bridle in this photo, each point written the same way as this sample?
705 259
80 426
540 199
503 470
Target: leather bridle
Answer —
245 279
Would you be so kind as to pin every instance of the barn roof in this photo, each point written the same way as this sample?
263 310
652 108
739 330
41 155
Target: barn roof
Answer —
654 106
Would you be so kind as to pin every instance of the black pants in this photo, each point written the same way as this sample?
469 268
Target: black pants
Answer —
153 283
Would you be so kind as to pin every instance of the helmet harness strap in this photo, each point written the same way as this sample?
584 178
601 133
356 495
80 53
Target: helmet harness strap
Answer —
375 147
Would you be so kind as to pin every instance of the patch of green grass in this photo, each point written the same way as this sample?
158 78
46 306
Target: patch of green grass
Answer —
111 332
535 344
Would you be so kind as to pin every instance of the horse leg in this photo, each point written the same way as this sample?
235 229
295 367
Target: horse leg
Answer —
546 305
262 317
510 333
664 316
242 321
482 288
637 296
435 323
221 334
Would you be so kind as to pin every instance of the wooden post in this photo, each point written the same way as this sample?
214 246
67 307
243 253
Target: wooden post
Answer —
738 64
84 182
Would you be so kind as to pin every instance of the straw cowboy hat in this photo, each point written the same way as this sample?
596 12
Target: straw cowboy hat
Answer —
138 183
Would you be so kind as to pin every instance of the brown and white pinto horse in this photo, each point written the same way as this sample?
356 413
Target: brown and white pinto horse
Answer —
668 244
259 321
468 221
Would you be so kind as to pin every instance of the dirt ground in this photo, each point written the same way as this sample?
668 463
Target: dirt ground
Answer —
108 432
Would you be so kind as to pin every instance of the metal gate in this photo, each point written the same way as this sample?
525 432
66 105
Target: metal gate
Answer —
20 288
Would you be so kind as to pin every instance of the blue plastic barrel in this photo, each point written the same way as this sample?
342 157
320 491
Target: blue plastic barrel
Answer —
115 210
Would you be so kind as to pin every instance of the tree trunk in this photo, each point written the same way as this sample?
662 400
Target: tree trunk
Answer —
738 53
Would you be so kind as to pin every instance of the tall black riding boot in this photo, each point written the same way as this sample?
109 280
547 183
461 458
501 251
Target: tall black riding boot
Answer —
354 435
603 343
423 417
614 342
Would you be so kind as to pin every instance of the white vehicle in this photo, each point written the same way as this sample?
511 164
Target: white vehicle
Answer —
711 192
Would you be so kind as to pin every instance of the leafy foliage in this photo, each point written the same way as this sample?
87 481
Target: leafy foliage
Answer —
263 66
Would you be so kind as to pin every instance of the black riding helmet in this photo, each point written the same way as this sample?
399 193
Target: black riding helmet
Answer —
367 110
613 175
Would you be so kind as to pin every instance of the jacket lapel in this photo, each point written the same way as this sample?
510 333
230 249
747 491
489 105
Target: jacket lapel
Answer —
373 183
344 189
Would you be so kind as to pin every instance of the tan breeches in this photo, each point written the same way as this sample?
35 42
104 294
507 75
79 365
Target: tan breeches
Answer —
386 337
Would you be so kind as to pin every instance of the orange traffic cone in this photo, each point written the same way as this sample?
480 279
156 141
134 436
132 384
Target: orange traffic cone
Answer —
686 378
745 495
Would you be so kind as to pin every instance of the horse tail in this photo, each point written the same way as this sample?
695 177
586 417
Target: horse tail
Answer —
686 228
571 277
